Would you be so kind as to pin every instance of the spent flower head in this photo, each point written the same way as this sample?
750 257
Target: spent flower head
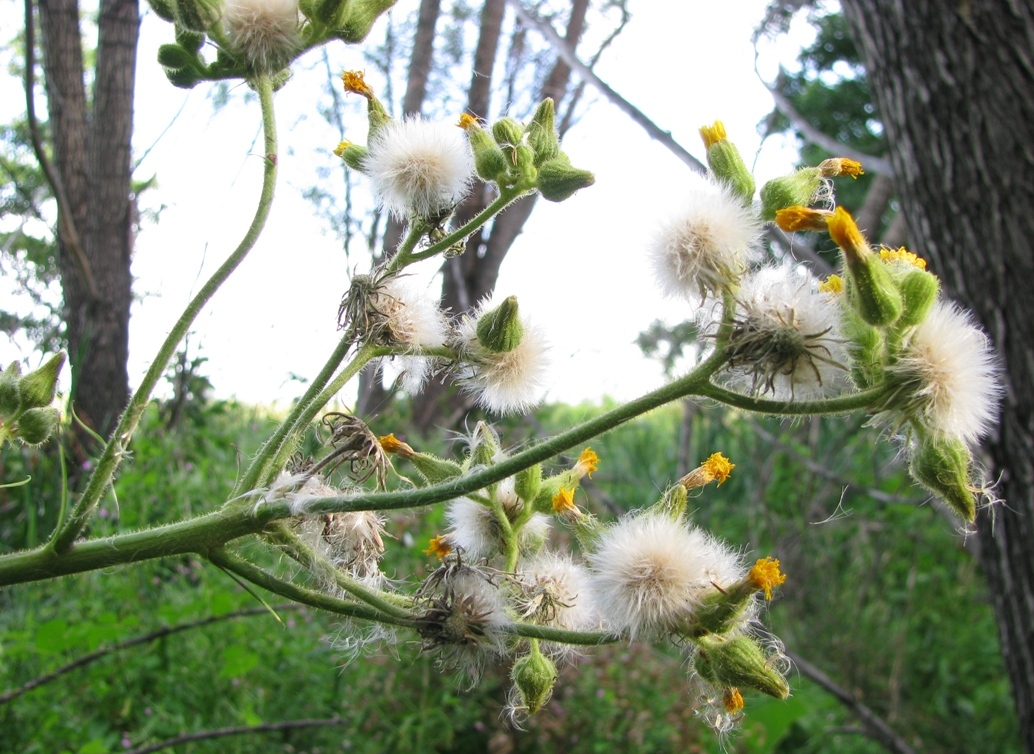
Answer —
265 32
419 167
706 248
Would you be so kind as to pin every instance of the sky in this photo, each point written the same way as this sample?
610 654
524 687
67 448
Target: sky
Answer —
579 268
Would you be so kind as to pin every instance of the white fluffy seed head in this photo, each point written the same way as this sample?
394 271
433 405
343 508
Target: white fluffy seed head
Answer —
706 247
265 32
419 167
552 590
502 382
954 373
787 338
474 527
650 572
414 320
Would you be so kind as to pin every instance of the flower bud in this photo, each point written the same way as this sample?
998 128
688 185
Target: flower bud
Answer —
354 155
500 330
867 347
528 482
542 134
359 18
796 189
175 57
942 466
919 291
508 132
376 114
489 160
37 389
725 161
738 662
534 675
10 395
164 9
329 13
37 424
872 290
191 41
187 78
558 180
673 502
485 448
198 15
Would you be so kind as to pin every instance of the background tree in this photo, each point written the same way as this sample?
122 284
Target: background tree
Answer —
954 89
91 128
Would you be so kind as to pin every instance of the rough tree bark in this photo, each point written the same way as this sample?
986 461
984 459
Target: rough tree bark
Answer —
91 148
954 86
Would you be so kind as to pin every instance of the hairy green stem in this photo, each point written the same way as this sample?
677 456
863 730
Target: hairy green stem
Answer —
116 447
250 572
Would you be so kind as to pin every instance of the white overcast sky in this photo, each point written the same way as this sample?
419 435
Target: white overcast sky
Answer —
578 267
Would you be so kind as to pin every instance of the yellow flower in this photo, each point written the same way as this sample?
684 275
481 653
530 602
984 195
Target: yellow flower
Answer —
715 467
765 575
391 444
563 502
467 122
841 166
353 81
340 148
793 219
902 255
732 700
439 546
712 134
588 462
833 284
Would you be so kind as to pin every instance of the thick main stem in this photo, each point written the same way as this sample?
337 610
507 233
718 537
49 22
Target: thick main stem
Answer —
114 451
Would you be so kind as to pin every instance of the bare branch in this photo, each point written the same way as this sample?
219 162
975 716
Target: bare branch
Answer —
637 115
204 735
161 633
874 726
872 163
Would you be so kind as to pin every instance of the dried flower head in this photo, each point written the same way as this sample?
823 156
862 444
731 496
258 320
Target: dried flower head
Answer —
419 167
786 337
265 32
354 444
476 528
706 248
550 589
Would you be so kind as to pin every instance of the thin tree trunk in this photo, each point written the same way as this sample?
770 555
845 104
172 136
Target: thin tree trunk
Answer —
92 160
954 85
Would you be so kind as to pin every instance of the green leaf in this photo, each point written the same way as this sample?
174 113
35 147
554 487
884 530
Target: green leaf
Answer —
51 637
238 661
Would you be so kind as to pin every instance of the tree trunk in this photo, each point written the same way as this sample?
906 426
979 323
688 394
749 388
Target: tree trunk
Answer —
954 86
91 146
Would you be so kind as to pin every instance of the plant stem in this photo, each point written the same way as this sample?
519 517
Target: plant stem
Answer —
115 449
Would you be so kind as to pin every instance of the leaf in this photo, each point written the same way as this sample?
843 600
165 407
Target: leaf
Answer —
51 637
237 661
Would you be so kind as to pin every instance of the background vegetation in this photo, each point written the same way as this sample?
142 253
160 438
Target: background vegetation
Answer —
883 596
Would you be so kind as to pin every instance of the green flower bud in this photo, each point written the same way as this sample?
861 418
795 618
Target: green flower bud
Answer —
433 469
191 41
354 155
330 13
500 330
738 662
796 189
557 180
867 347
943 467
183 78
489 160
542 134
164 9
38 388
359 17
198 15
534 675
528 482
725 161
37 424
919 291
508 132
673 502
175 57
872 291
10 395
485 448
